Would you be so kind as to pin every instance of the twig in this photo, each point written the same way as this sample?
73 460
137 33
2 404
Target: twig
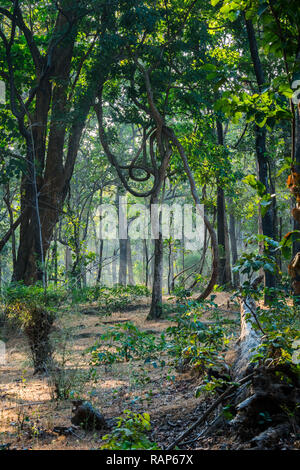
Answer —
203 432
255 318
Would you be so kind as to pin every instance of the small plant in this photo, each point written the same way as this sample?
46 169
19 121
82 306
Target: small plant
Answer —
130 433
65 382
264 417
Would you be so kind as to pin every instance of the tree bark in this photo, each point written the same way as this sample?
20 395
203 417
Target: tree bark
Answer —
170 267
129 263
224 273
99 272
156 300
260 145
146 262
234 252
114 267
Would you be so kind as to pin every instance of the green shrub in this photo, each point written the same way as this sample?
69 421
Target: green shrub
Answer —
126 342
19 293
130 433
31 309
110 299
194 343
118 298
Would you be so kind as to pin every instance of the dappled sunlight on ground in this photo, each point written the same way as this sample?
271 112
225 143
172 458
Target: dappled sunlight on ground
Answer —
28 412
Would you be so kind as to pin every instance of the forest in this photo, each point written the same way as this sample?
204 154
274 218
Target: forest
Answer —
149 225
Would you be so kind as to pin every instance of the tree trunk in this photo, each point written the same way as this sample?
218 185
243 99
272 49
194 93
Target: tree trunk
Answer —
68 260
182 254
221 236
249 338
114 267
296 244
54 261
146 262
170 268
260 145
123 262
227 254
233 244
11 223
156 300
129 263
99 272
224 273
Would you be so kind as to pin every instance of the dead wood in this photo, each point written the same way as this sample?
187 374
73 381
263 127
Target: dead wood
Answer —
212 407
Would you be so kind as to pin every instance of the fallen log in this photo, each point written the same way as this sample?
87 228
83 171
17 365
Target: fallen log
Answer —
249 339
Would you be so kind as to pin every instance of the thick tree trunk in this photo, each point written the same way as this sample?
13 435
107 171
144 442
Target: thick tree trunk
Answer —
156 300
221 236
123 262
260 145
263 174
296 244
249 338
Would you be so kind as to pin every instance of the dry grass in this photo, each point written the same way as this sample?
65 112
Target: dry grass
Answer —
28 413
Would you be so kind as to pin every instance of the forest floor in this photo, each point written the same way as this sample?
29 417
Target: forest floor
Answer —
29 412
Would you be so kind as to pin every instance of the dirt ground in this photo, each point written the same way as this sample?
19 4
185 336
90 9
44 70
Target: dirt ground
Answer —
29 414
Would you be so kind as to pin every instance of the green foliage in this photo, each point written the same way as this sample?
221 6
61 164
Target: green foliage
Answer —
212 385
265 109
196 343
251 263
130 433
110 299
281 324
119 297
126 342
280 319
35 294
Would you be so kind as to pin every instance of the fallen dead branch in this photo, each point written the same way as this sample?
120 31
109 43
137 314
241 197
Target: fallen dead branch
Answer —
209 410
